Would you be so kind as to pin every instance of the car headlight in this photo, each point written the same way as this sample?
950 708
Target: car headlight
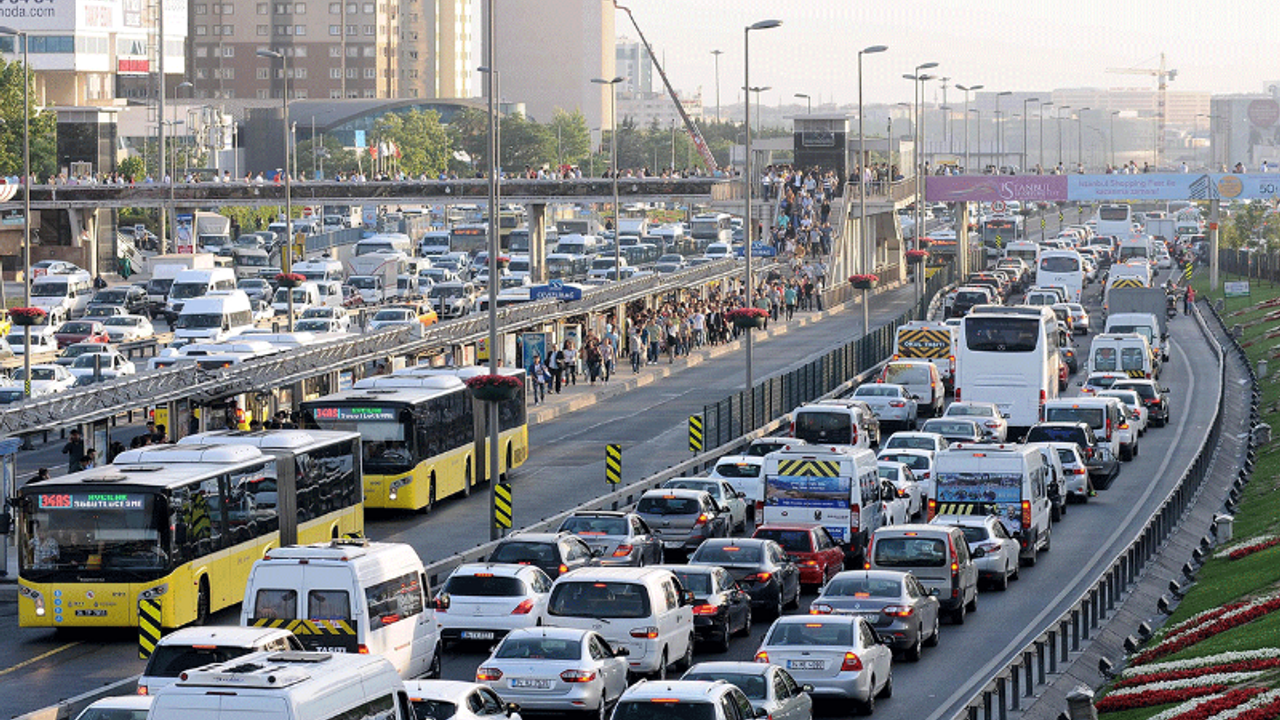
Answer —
155 592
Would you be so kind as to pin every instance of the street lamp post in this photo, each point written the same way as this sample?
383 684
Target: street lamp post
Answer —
1059 118
1000 131
613 161
1043 105
967 89
717 54
1025 115
917 130
757 91
868 244
978 122
747 181
288 180
1080 138
26 202
1111 134
808 102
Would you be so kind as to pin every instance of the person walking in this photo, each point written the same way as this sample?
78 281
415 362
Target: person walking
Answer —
570 364
609 356
555 365
792 298
595 361
74 450
635 347
1188 300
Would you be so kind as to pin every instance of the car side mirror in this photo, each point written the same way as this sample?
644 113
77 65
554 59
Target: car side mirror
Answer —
978 552
597 552
686 597
1164 389
935 592
762 712
1004 415
513 708
621 652
442 602
806 688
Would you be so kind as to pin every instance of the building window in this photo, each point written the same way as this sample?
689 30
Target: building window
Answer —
228 51
334 30
335 94
299 73
264 73
202 51
335 51
368 8
228 9
300 94
370 50
353 51
352 8
264 30
228 30
335 73
283 29
371 93
299 29
201 31
300 51
202 9
299 8
370 74
353 29
368 30
262 94
352 73
201 73
335 8
263 9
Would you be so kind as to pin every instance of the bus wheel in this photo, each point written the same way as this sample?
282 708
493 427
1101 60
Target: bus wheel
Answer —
202 602
431 492
466 481
510 459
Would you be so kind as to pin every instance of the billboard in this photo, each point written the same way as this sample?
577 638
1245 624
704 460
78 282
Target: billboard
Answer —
1103 188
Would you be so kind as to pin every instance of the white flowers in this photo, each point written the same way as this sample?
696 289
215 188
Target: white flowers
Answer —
1201 681
1264 699
1187 706
1219 659
1245 546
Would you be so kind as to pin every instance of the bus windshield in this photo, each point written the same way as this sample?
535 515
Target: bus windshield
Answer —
998 333
1059 264
70 533
386 446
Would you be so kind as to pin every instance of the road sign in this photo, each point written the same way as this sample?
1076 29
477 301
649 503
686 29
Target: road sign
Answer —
502 505
695 433
613 464
998 206
1059 216
1187 271
148 627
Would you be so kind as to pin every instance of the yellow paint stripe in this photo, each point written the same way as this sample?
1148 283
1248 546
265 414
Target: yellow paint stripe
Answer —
38 658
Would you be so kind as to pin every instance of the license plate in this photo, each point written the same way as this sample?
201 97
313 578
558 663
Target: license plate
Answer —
806 664
477 635
91 613
673 544
535 684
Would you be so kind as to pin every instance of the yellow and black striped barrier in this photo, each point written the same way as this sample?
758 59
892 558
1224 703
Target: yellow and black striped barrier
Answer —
613 464
307 627
149 614
695 433
502 505
918 343
1188 271
808 468
973 508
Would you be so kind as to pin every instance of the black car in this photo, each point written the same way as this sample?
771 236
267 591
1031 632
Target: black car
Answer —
760 566
554 553
721 608
1156 398
1102 464
1069 357
130 297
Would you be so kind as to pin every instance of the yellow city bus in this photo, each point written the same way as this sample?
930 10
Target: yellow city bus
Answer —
418 427
180 524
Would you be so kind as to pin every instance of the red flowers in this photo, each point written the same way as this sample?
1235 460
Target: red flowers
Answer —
917 255
867 279
1241 666
745 313
34 313
1248 550
1209 708
1114 703
290 278
494 381
1209 629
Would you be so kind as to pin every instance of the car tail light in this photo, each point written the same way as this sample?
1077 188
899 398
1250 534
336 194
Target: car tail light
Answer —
1043 397
852 663
820 609
853 436
142 690
992 423
1077 471
762 577
563 568
855 517
989 547
902 493
1124 426
957 393
362 649
488 674
762 657
1026 513
524 608
622 551
759 510
896 404
645 633
706 609
578 676
793 428
933 508
1108 428
900 611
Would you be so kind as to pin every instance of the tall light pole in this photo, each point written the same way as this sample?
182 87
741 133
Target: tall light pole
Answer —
1059 118
757 91
21 35
808 102
491 409
1025 115
1043 105
1080 137
917 130
868 244
1000 131
1111 134
288 181
946 134
717 54
968 89
613 161
978 122
747 181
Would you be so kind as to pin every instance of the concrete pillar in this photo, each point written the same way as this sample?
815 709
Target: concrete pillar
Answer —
537 219
960 211
1215 216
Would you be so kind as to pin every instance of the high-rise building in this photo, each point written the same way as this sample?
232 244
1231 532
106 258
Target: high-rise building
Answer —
548 51
633 63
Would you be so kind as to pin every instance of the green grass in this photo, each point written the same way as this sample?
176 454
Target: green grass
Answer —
1136 713
1222 580
1261 633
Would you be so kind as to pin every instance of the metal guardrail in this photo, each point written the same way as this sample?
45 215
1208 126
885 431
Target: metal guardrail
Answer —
1030 666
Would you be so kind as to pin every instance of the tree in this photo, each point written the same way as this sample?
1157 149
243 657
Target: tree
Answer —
43 131
1249 227
336 158
424 144
469 132
132 168
525 143
573 141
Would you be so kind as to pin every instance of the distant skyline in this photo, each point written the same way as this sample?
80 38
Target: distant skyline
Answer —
1001 44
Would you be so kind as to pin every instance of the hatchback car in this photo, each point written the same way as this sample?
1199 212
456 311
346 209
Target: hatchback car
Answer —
1074 471
1100 381
932 442
995 424
682 519
743 473
922 379
1103 465
809 546
1139 415
900 610
454 700
760 566
998 560
892 404
616 538
127 328
839 655
551 669
555 553
904 484
1156 398
683 700
920 463
772 691
726 496
956 430
721 608
489 600
76 331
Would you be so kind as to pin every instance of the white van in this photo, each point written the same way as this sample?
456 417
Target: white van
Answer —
1128 353
214 317
835 422
321 268
644 610
305 295
63 296
838 487
1108 417
357 596
1144 324
1010 481
195 283
287 686
372 288
937 555
193 647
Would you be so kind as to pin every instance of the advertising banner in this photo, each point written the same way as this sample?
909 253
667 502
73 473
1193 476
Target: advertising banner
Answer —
1103 188
1001 491
993 188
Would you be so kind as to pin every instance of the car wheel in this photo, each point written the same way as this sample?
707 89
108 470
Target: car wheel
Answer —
725 632
1003 583
935 636
434 670
973 604
957 615
661 672
1048 539
1135 450
868 706
746 625
887 691
686 661
912 654
1055 512
1126 454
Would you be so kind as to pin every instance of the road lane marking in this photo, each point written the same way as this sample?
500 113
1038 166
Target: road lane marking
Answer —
38 658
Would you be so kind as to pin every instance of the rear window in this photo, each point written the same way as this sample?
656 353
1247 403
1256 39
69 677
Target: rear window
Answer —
698 583
905 375
819 427
1145 391
727 554
790 540
971 297
1133 358
272 604
484 586
912 442
1059 264
1067 457
540 648
664 710
742 470
168 661
662 505
915 462
595 525
425 709
910 552
1001 333
973 533
948 428
969 411
1093 417
328 605
868 586
811 633
1055 434
599 599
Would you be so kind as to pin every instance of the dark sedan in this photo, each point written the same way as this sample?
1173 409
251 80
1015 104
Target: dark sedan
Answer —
760 566
1156 398
901 611
555 553
617 538
721 608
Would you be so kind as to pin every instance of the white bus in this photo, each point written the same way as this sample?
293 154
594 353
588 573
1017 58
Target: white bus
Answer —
1009 356
1024 250
1115 220
1061 268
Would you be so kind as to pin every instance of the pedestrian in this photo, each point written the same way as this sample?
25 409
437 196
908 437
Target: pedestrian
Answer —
595 361
609 355
41 475
74 450
90 459
555 360
570 363
113 450
792 298
538 377
635 347
1188 300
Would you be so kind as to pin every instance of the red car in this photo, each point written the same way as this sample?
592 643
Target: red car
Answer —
77 331
811 548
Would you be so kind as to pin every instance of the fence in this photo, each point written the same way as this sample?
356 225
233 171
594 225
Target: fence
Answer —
744 411
1260 265
1050 652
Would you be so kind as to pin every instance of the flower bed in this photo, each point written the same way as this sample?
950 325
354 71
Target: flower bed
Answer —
495 387
1116 703
1203 708
864 281
25 316
1263 707
1203 661
747 317
1249 547
1164 676
290 279
1237 615
916 257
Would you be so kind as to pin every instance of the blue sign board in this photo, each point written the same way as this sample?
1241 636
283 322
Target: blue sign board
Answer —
555 290
759 249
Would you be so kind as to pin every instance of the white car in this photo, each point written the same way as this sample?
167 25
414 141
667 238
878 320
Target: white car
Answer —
771 689
75 350
122 707
726 496
998 560
904 483
1139 415
1075 472
457 701
839 655
994 424
920 462
393 317
894 508
744 473
489 600
111 363
561 670
932 442
46 379
42 340
318 325
891 404
127 328
337 314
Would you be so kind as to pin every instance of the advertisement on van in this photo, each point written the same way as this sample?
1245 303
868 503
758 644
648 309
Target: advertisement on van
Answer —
806 498
991 488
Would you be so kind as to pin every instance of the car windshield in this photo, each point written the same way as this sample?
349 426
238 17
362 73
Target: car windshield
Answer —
110 713
914 442
391 316
199 320
1102 381
739 470
877 391
37 373
587 525
668 505
973 533
943 427
915 462
708 486
484 585
363 283
817 426
1055 434
183 291
910 552
51 289
445 293
906 374
839 634
664 709
76 328
969 410
312 325
87 361
168 661
110 297
122 321
540 648
790 540
525 552
751 685
599 600
1089 416
863 586
78 350
727 554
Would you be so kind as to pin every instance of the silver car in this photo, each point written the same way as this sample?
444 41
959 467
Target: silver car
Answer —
732 500
551 669
772 691
616 538
994 551
901 611
994 424
839 655
892 404
682 519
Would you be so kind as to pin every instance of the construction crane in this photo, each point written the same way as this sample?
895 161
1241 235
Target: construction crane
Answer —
1163 77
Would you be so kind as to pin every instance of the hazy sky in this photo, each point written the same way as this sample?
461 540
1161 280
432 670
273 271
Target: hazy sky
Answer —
1216 46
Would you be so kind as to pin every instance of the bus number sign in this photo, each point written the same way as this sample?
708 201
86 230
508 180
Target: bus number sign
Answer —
341 414
91 501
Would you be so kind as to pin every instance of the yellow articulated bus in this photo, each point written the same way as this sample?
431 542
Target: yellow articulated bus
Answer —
178 524
419 429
